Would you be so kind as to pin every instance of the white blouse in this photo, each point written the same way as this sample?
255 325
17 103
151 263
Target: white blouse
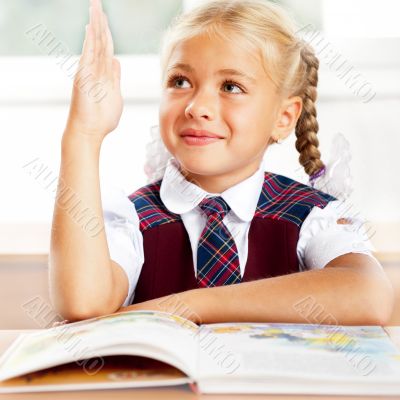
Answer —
321 238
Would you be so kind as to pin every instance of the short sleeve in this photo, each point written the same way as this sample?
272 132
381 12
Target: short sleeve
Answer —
124 238
322 238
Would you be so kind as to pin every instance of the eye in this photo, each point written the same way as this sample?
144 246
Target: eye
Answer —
232 84
174 79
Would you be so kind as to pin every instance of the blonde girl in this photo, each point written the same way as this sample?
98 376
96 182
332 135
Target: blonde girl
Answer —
214 237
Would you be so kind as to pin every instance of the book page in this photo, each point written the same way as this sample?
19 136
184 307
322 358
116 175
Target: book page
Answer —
324 352
117 372
163 336
394 334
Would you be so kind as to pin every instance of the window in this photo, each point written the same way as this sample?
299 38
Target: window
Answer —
361 18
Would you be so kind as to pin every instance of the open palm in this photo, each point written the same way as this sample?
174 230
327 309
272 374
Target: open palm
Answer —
96 104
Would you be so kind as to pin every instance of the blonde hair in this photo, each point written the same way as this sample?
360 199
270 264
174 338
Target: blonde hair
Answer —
288 60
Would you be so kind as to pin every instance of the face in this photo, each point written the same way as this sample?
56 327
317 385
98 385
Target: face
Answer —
216 88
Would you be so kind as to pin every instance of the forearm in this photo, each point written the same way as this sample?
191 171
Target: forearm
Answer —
80 271
338 295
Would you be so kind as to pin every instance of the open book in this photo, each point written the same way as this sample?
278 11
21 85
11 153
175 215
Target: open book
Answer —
147 348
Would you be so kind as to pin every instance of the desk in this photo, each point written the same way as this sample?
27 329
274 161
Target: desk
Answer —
23 278
178 392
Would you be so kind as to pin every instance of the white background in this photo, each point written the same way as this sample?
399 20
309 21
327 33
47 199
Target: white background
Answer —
34 97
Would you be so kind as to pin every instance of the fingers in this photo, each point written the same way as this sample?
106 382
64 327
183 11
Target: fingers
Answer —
97 3
110 43
102 32
96 23
89 42
104 50
107 46
103 35
98 47
109 52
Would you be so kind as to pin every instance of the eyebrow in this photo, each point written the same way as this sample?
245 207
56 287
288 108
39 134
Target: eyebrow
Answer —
225 71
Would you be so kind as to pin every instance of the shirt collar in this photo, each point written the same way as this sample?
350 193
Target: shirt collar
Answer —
181 196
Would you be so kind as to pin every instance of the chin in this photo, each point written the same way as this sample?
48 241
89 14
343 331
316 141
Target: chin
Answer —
197 165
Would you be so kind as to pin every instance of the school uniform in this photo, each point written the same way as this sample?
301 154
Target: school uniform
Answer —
280 226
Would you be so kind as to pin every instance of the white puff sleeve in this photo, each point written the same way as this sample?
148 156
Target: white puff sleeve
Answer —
322 238
125 241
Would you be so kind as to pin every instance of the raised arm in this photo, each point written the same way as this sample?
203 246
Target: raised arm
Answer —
83 281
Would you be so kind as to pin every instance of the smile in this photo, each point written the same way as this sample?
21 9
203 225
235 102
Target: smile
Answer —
199 140
195 137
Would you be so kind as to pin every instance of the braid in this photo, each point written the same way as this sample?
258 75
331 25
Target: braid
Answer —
307 125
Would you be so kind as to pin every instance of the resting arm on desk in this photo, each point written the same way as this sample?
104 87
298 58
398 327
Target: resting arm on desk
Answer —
352 289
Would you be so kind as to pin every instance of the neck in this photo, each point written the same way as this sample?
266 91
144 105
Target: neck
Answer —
221 182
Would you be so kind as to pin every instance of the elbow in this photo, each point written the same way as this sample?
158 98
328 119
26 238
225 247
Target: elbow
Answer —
75 311
380 303
78 315
67 308
381 318
74 303
74 314
71 313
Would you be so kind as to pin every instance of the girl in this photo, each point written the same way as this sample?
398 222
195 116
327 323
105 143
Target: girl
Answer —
216 238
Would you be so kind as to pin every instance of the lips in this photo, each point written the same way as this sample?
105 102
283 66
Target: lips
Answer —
195 137
200 134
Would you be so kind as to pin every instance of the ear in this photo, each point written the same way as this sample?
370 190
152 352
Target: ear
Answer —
287 117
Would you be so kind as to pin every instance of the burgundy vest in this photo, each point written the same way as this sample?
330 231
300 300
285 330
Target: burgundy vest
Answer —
274 230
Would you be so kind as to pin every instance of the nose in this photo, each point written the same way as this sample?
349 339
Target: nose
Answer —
202 105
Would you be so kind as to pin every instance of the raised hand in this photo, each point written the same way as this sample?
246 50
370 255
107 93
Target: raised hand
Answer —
96 104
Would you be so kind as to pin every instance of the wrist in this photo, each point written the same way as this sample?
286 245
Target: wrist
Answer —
80 140
200 304
84 132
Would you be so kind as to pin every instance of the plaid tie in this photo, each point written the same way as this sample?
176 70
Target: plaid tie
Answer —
217 255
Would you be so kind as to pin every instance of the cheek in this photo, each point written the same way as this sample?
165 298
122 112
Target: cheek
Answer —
251 129
166 123
165 117
168 112
247 123
163 111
